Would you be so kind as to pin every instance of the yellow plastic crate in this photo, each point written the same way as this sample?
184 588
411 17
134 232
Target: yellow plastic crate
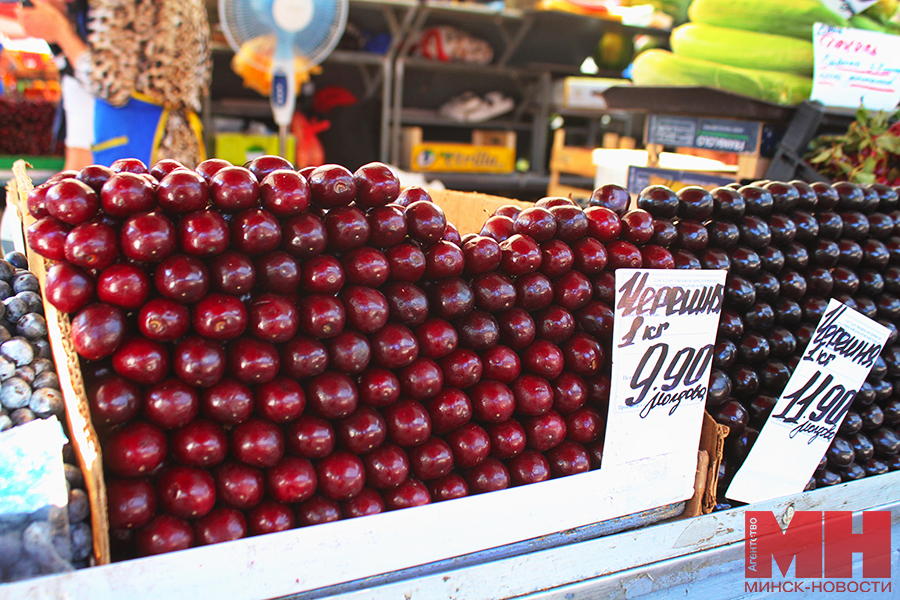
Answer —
462 158
239 148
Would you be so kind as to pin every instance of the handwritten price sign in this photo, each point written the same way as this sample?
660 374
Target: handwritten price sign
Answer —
854 67
809 412
663 338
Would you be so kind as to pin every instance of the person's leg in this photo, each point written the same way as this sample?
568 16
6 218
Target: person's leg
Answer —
79 106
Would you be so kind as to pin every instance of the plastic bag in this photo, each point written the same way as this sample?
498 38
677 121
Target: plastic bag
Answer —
448 44
34 521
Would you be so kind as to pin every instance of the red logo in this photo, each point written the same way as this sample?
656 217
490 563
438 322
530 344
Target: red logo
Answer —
821 543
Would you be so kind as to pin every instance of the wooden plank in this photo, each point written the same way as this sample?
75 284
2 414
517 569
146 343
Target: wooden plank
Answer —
493 137
300 560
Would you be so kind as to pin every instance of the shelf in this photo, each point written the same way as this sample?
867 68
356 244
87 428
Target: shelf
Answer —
430 118
355 57
413 62
531 48
242 107
696 101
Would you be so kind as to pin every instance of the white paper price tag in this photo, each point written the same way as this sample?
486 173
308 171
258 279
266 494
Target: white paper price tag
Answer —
812 406
848 8
663 338
854 68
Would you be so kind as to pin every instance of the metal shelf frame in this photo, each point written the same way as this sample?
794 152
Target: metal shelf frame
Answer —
529 53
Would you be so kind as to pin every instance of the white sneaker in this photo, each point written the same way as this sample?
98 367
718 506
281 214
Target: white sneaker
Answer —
459 107
493 105
470 108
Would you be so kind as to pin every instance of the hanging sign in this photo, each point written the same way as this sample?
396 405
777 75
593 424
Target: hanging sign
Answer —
836 362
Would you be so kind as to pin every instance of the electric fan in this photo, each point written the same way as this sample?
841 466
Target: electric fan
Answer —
280 37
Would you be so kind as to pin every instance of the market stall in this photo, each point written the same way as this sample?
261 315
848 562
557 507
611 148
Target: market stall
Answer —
283 380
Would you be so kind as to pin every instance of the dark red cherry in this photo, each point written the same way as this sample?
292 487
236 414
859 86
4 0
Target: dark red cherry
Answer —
332 185
284 192
182 191
233 189
659 201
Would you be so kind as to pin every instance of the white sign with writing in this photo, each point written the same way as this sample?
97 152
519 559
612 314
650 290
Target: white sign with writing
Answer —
854 68
664 335
848 8
812 406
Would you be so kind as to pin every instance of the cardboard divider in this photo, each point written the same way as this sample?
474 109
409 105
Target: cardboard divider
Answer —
712 439
467 210
82 435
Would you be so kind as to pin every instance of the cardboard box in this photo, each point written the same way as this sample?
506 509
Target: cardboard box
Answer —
583 92
240 148
468 211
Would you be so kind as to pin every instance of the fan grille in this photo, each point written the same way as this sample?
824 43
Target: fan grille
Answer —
251 22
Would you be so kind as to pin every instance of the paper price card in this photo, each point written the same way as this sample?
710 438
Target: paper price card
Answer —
663 338
812 406
854 68
848 8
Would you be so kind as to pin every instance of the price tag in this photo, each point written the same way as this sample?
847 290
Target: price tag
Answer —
848 8
854 68
809 412
663 338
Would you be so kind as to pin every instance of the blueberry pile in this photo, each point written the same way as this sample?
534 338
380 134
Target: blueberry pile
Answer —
29 390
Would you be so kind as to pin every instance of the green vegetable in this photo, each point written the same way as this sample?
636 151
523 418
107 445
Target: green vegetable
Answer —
793 18
739 48
861 21
663 68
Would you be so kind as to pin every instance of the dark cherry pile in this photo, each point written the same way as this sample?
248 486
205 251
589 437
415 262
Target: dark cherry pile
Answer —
266 349
789 247
30 390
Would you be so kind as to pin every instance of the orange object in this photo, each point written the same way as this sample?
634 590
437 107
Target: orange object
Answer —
309 149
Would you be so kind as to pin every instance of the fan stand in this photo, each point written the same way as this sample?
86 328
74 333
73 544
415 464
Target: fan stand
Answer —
282 140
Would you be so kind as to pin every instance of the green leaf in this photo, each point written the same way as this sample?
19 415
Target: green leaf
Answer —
864 178
889 142
868 165
822 156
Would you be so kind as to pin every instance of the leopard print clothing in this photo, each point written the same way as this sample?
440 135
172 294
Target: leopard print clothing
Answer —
158 48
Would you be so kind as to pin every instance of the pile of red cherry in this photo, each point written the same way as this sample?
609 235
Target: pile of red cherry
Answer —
265 348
